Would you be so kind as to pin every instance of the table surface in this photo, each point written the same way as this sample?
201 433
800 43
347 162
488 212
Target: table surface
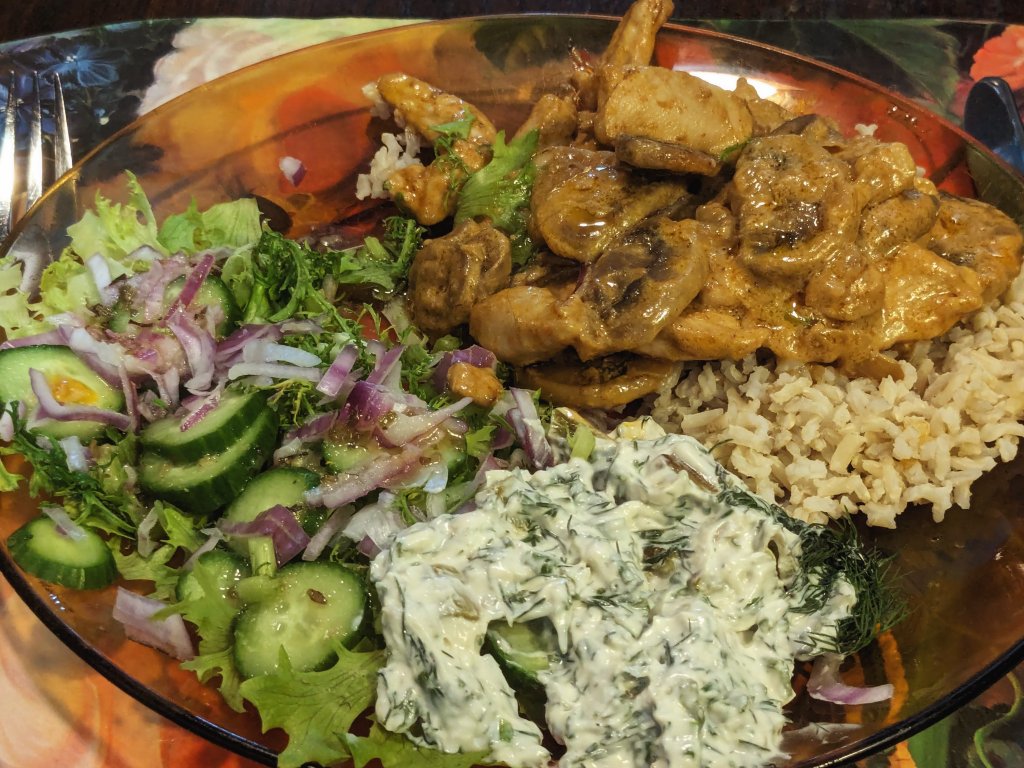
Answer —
58 711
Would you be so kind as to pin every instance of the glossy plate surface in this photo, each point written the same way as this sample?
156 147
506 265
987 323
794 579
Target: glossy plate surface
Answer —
963 577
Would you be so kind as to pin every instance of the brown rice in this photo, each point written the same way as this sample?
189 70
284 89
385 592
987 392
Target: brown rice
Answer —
825 445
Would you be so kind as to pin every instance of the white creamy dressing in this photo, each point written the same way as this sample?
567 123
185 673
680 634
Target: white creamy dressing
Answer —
674 612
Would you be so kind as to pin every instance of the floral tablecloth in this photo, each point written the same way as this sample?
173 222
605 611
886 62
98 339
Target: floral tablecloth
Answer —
57 711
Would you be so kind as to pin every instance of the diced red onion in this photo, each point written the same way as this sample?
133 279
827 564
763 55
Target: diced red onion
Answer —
169 634
236 342
339 375
293 327
388 368
825 684
131 398
199 347
100 272
193 282
368 547
279 524
502 439
315 428
526 422
366 405
271 352
374 526
53 338
102 357
345 488
404 428
63 521
146 253
143 537
318 543
293 169
213 537
148 288
273 371
287 449
49 408
77 456
475 355
202 409
6 426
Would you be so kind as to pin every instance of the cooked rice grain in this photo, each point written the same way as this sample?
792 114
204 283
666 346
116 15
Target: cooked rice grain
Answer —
826 445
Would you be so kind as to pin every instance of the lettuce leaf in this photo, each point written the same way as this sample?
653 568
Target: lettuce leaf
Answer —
225 225
17 315
315 709
135 567
396 751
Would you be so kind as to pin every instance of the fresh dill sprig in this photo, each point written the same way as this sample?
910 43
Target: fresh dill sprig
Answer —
829 553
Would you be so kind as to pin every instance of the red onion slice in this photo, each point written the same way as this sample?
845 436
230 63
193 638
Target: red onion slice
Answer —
199 347
213 537
271 352
526 422
318 543
345 488
76 453
366 405
826 685
201 409
339 374
196 277
388 368
228 349
273 371
279 524
63 521
169 634
51 338
405 429
49 408
6 426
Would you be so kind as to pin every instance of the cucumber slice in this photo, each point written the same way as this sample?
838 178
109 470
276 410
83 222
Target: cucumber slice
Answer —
211 482
286 486
342 456
216 432
44 550
313 607
215 571
523 650
212 293
71 380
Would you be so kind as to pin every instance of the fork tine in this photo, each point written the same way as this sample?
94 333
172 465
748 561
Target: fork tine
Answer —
7 162
34 172
62 137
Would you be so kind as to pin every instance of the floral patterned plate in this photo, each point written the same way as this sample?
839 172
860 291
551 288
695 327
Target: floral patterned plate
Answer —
225 139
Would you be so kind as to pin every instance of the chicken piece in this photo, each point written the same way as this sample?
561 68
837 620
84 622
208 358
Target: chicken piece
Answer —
676 107
795 204
880 170
450 274
583 200
706 334
767 115
424 107
900 219
610 382
555 119
633 40
425 191
639 285
925 295
973 234
521 325
465 380
664 156
847 287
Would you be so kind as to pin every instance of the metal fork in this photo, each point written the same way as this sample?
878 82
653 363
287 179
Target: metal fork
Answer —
18 192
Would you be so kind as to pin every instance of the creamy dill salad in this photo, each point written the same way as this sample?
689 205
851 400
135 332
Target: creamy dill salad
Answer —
373 538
